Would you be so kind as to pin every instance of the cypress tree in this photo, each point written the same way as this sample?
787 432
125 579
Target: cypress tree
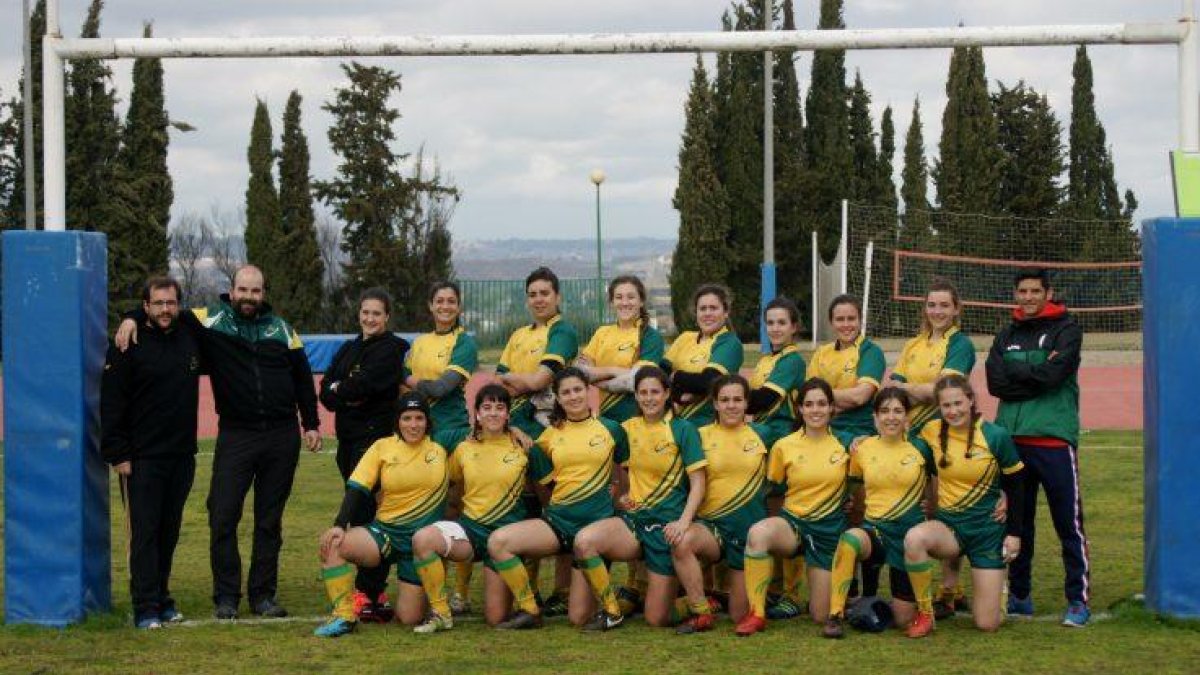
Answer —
914 188
10 128
264 232
864 177
1030 137
793 242
701 202
827 134
16 200
92 133
302 293
885 191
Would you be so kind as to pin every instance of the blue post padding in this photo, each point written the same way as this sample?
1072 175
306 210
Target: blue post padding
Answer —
56 519
767 295
1171 339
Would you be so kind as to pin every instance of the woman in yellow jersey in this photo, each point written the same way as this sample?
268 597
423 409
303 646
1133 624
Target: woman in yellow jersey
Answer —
665 477
487 476
811 466
574 459
976 464
734 499
852 365
617 350
893 471
697 358
409 470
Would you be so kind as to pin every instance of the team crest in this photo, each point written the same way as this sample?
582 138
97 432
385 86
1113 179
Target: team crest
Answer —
596 441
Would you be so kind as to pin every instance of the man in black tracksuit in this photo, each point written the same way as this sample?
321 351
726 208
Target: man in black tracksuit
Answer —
148 417
1033 369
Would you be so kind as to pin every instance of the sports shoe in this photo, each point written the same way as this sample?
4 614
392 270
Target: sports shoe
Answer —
833 628
751 624
434 623
361 602
378 610
522 620
944 608
459 605
267 608
922 625
782 607
148 622
170 614
1020 607
226 610
603 621
697 623
629 600
1077 615
335 627
555 605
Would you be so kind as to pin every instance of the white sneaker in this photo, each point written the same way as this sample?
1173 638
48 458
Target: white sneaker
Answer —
436 622
459 605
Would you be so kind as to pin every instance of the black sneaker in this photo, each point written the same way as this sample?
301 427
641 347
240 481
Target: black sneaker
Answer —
833 628
603 621
555 605
267 608
226 610
522 620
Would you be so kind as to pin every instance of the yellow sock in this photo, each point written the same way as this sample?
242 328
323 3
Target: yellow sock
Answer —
433 580
921 576
517 579
758 574
339 588
462 578
844 560
959 593
597 577
793 577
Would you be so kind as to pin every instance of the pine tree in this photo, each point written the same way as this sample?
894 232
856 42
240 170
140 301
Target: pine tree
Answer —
701 202
10 128
1030 137
301 292
93 133
914 189
864 176
264 231
793 241
827 137
16 200
885 186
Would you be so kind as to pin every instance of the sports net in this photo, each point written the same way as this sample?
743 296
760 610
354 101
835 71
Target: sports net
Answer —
1095 267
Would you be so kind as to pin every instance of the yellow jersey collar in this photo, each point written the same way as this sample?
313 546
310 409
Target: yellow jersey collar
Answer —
700 334
549 322
837 344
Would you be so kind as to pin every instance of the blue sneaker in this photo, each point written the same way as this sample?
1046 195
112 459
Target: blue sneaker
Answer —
335 627
148 622
1020 607
170 615
1077 615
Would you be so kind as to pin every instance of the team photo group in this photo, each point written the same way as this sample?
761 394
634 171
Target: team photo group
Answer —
767 495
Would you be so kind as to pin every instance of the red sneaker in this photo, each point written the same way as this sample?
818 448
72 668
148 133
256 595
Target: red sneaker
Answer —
921 625
697 623
751 624
361 602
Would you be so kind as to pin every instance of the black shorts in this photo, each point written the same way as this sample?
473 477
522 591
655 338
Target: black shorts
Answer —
898 578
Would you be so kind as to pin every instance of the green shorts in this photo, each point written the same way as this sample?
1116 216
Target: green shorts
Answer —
818 538
395 546
566 522
648 529
980 538
478 533
891 533
731 531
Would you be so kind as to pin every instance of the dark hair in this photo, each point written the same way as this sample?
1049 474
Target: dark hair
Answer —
892 394
726 380
558 415
632 280
811 384
156 282
954 381
408 402
845 299
940 285
377 293
443 285
651 373
785 303
489 392
1038 273
542 274
724 296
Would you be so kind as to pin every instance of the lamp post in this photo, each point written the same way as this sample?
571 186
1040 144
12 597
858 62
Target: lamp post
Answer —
597 177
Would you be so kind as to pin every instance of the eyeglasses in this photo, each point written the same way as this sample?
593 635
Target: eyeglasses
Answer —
162 304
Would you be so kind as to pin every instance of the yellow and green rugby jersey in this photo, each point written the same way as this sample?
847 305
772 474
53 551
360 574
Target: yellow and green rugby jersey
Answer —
782 372
923 361
690 353
492 475
970 485
736 471
431 355
554 343
894 475
578 458
814 472
412 480
615 347
659 458
844 368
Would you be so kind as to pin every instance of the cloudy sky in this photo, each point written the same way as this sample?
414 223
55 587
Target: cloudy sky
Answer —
520 135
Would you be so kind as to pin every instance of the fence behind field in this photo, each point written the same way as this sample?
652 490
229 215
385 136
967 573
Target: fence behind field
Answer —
493 309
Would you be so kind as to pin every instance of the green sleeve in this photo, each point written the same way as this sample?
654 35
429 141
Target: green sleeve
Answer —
926 452
688 441
960 354
562 344
871 363
843 437
1002 446
726 354
788 373
652 347
450 438
540 465
465 354
620 440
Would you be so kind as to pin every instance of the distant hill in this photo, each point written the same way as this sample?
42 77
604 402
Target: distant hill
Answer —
569 258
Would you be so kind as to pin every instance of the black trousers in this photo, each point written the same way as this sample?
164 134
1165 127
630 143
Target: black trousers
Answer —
156 491
267 460
370 580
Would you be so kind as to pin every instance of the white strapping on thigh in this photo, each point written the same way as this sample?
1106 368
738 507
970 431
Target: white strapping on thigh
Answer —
451 532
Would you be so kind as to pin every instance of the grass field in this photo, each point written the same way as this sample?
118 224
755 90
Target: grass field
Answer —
1124 638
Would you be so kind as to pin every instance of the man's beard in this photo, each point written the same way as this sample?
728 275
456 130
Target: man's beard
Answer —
247 307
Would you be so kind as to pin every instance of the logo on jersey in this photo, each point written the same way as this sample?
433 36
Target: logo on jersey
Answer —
908 459
665 446
596 441
751 446
625 347
849 367
444 353
511 458
431 457
837 457
194 365
271 331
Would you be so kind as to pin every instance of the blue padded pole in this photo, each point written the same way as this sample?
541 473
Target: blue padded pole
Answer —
1171 342
56 518
766 296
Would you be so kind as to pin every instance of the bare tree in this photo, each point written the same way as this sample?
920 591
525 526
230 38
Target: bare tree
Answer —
190 240
329 240
228 247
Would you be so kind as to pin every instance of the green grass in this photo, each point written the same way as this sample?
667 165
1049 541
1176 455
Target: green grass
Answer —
1127 638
